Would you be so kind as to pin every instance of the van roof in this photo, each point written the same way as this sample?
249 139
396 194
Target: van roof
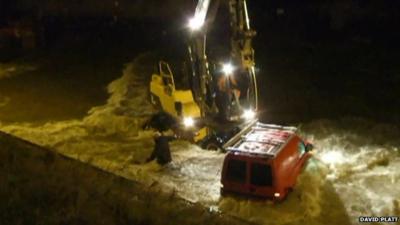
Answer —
258 139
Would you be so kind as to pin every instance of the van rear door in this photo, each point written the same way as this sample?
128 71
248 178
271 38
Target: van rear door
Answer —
261 179
235 175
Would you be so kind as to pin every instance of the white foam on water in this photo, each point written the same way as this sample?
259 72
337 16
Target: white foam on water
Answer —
355 170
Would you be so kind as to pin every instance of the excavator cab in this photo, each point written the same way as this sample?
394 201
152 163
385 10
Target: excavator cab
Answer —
178 103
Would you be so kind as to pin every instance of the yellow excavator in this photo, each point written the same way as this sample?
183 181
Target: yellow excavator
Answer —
220 100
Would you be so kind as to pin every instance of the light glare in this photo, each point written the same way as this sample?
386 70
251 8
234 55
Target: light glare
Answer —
249 114
196 23
227 69
188 121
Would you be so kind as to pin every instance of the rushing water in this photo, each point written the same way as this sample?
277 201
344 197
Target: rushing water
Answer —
355 170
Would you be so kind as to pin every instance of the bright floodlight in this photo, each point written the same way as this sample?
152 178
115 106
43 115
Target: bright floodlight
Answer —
227 68
249 114
188 121
196 23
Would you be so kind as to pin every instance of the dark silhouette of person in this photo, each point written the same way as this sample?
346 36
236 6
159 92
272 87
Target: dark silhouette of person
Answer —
227 95
161 121
161 150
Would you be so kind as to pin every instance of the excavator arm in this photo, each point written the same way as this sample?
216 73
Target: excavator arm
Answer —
241 52
216 106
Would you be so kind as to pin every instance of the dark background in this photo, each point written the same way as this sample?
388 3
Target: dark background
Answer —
315 59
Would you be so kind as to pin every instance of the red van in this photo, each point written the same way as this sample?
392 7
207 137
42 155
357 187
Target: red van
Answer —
264 160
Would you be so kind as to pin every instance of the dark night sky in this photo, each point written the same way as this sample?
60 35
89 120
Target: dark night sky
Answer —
317 14
362 15
93 8
336 50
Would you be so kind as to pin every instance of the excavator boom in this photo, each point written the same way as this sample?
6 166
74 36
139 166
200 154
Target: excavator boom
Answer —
242 53
222 95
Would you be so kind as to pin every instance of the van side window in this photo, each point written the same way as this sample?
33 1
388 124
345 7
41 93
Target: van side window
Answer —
302 148
261 174
236 171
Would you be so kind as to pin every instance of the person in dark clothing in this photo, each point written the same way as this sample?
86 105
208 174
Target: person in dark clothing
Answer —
222 103
161 121
161 150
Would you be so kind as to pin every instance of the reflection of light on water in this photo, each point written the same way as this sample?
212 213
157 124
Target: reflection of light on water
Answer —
332 157
365 183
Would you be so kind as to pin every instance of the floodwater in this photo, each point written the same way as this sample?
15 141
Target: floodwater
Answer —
355 170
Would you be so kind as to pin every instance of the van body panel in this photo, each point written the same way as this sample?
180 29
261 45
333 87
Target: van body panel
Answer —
250 172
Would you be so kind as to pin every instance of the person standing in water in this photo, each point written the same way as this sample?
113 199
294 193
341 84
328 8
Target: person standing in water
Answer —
161 152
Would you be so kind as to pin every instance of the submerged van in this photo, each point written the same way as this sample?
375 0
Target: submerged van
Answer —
264 160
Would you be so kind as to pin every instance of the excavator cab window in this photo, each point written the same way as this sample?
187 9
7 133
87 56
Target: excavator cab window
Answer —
175 74
167 77
166 74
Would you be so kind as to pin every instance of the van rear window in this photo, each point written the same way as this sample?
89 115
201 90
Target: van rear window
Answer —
261 174
236 171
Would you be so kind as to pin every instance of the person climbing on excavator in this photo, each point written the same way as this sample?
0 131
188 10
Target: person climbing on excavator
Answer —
228 92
